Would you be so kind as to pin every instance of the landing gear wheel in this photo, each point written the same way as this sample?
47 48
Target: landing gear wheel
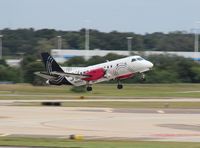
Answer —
89 88
143 78
119 86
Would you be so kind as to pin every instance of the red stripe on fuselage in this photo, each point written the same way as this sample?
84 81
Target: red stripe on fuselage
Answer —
95 74
126 76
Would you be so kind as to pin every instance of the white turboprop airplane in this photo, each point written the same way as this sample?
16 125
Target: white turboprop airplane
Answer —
118 69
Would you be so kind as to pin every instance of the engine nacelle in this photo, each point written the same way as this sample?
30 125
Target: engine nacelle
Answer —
108 75
47 82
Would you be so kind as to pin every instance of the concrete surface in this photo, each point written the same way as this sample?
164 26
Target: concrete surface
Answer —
103 123
2 102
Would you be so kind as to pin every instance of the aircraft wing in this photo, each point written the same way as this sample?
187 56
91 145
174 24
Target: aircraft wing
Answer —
81 76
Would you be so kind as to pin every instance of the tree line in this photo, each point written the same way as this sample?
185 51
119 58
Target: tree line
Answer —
167 69
30 41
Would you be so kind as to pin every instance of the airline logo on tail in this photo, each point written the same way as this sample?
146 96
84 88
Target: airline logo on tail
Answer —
49 64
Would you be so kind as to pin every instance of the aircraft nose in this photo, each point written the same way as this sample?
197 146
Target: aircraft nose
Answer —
149 64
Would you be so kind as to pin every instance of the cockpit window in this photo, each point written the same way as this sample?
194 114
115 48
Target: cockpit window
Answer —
133 60
140 59
136 59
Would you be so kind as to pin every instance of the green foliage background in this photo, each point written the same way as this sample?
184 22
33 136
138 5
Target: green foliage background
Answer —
30 43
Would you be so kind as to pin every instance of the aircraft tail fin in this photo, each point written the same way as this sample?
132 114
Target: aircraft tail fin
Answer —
50 63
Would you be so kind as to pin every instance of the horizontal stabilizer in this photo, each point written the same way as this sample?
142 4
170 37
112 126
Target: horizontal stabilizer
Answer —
44 75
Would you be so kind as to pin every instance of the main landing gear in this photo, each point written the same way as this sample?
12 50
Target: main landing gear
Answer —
119 85
143 78
89 88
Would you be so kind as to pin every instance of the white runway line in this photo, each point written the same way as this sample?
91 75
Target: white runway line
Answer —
188 92
4 135
108 110
104 100
161 111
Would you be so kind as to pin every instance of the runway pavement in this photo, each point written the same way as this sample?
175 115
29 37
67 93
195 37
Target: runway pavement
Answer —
102 123
101 100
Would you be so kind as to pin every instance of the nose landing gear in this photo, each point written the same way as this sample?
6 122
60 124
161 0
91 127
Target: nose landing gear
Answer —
143 78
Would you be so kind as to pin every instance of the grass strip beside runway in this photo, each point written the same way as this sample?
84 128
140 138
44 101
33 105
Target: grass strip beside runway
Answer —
64 143
26 91
189 105
107 104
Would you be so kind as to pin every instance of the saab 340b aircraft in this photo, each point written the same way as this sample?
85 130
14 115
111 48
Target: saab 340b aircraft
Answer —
111 70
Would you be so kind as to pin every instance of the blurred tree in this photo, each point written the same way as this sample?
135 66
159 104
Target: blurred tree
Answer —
9 74
35 41
95 60
113 56
167 69
29 70
75 61
3 62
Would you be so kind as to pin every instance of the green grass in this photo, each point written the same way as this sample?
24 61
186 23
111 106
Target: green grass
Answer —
108 104
50 142
104 91
26 91
186 105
